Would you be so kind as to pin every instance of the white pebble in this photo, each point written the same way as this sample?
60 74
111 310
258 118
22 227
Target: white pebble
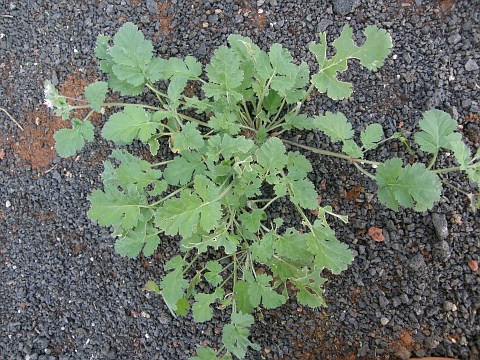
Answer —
8 204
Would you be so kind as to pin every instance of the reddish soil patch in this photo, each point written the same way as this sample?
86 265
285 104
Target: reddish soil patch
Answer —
444 6
253 17
165 21
44 216
353 193
405 341
36 145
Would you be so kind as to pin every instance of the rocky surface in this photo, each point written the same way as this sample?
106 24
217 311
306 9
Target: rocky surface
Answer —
67 295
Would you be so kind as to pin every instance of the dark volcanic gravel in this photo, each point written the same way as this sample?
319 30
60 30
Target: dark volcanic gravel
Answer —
65 294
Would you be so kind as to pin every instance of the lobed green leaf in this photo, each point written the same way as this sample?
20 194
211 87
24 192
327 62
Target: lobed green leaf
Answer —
235 335
371 54
438 131
412 186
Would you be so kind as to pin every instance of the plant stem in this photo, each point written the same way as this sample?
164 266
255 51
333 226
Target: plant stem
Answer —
230 255
264 92
247 113
161 163
220 350
170 195
189 118
446 170
430 165
157 92
456 188
190 263
117 104
331 153
11 118
234 303
279 110
363 171
297 108
88 115
259 200
270 202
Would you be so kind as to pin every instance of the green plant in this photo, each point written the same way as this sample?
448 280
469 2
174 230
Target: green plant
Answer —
231 165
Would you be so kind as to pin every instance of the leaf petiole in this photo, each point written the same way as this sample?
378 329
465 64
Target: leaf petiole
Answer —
161 163
170 195
446 170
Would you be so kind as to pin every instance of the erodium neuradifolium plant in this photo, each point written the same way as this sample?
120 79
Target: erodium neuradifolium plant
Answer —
230 165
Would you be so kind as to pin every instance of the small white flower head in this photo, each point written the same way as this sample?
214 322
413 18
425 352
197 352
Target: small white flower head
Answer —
47 89
48 103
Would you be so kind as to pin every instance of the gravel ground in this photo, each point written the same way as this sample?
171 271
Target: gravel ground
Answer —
65 294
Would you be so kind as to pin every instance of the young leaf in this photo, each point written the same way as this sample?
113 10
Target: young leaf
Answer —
182 168
242 299
371 54
188 68
144 236
173 287
298 165
306 298
438 131
412 186
303 193
351 148
329 252
292 245
184 215
175 90
252 220
213 274
248 185
206 353
227 146
462 153
130 124
224 75
335 126
225 122
131 54
260 290
219 238
114 206
69 141
262 250
201 308
271 156
95 94
281 59
137 172
300 122
152 286
235 335
188 138
372 134
155 70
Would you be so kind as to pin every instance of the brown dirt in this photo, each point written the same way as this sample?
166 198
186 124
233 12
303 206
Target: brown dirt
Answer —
405 340
253 18
472 134
165 21
36 145
442 7
353 193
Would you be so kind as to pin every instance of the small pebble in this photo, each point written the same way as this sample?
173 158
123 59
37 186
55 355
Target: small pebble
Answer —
471 65
8 204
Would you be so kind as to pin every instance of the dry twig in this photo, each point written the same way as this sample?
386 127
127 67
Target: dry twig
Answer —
11 117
